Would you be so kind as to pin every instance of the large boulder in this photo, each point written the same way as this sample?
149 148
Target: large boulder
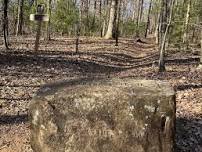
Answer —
118 115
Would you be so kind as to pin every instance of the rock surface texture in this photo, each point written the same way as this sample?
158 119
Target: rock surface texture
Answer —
117 115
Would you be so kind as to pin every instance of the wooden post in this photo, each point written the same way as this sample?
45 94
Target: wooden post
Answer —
38 35
39 17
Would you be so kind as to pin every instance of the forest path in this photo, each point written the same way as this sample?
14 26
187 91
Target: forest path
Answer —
23 71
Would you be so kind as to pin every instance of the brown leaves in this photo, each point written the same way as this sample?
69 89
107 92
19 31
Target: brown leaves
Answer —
23 71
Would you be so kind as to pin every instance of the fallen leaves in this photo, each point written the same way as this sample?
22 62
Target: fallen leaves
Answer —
23 71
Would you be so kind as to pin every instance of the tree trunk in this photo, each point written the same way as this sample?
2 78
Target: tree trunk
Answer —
148 19
157 29
134 11
139 17
142 8
5 22
201 51
117 22
20 18
94 14
185 37
112 20
164 32
78 29
200 22
49 12
100 12
86 12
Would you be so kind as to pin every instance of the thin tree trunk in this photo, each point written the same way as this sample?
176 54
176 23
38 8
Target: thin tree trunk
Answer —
157 29
138 20
185 37
49 12
139 17
94 13
201 51
141 11
18 19
19 25
148 19
100 12
78 29
134 11
117 22
112 20
104 27
164 37
87 26
5 23
200 22
107 7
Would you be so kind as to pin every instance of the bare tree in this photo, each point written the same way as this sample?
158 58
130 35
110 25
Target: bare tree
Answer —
49 12
78 27
200 65
185 36
117 22
148 19
164 31
139 17
20 18
100 13
5 22
112 20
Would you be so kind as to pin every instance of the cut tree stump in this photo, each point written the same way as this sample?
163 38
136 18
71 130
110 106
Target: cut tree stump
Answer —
117 115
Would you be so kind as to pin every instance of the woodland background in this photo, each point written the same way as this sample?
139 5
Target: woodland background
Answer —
142 39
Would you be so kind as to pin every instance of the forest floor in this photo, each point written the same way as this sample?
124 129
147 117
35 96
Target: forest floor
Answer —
23 71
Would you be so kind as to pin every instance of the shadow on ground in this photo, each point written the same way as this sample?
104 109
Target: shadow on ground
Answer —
188 135
13 119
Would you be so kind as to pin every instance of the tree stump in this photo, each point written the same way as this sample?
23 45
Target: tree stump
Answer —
117 115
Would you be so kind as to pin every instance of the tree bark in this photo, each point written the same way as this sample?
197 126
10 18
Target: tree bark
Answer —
157 29
134 11
117 22
164 33
94 14
201 51
5 23
139 17
148 19
49 12
112 20
100 12
185 37
19 25
200 22
78 29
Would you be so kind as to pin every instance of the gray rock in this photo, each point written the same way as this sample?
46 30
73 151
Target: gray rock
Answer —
118 115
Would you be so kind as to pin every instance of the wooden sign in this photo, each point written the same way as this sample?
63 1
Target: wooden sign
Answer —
39 17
